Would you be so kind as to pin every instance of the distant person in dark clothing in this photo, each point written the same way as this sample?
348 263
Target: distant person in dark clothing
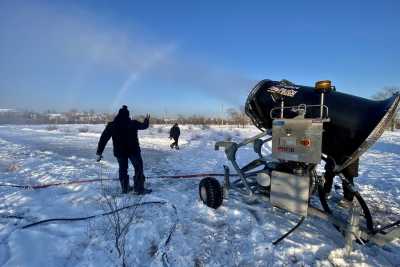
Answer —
123 132
174 133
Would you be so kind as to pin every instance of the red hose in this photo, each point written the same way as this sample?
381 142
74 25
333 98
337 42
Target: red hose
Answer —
192 175
41 186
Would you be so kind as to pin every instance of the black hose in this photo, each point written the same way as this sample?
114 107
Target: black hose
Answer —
12 217
290 231
167 240
14 185
382 229
93 216
357 195
367 213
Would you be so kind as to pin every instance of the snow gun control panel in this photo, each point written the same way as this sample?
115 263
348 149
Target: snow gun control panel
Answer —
297 140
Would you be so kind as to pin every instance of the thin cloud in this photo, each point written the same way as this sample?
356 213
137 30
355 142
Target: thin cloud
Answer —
85 42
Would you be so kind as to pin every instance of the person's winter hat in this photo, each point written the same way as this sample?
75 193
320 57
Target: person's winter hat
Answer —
123 112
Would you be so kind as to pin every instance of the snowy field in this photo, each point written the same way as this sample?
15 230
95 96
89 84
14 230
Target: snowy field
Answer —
179 230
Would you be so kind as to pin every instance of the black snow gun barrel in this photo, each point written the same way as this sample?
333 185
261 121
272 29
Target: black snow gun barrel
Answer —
352 124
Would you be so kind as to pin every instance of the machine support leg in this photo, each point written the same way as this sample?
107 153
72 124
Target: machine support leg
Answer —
227 183
226 177
237 168
352 228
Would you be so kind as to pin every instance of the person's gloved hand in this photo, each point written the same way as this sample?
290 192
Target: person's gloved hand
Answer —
99 157
147 116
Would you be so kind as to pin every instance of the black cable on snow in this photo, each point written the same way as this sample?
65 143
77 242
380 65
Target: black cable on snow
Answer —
290 231
165 260
93 216
170 234
164 255
167 240
391 225
14 185
12 217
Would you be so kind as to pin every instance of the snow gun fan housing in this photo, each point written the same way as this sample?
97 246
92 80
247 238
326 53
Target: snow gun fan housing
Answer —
354 124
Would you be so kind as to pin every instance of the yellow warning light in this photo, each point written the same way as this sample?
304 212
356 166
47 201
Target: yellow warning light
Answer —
323 86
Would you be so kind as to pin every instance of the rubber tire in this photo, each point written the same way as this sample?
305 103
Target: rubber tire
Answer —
213 191
363 205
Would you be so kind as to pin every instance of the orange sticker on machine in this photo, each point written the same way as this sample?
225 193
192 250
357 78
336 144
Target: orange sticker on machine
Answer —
305 142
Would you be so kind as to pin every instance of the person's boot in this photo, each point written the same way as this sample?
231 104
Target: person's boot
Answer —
125 187
122 182
128 187
139 186
143 191
124 190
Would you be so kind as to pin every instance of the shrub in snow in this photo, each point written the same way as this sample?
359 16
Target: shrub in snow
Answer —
67 130
51 128
152 250
205 127
13 167
118 222
227 137
195 137
83 129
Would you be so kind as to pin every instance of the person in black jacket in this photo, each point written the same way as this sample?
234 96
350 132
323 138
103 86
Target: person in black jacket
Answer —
174 134
124 134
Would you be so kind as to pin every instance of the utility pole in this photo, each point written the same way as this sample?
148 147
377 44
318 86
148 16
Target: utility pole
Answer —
222 114
165 115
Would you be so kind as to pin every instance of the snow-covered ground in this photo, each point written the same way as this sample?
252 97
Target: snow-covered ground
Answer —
237 234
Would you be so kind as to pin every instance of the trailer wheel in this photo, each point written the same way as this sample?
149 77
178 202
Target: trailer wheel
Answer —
366 212
210 192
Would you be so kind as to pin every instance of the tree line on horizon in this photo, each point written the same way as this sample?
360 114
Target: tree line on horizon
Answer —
234 116
74 116
385 93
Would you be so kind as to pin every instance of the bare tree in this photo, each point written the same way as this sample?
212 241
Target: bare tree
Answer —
384 93
238 116
119 219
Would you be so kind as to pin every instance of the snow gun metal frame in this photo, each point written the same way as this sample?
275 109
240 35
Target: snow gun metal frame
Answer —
305 125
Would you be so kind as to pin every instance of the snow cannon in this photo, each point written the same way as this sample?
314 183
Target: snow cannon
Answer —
354 124
301 126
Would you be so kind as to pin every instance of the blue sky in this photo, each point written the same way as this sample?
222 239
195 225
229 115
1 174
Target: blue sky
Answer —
189 56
